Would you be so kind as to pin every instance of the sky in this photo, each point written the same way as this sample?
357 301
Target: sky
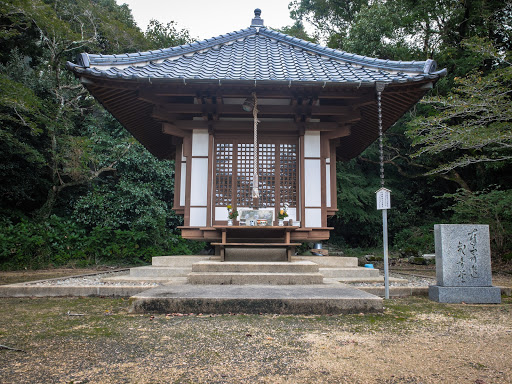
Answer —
207 18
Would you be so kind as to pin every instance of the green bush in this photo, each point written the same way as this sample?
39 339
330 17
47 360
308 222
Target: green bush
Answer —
414 241
492 207
59 241
37 244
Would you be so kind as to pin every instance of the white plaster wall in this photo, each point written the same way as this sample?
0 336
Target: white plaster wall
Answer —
313 217
199 182
198 217
312 144
313 183
221 213
183 183
292 214
328 184
200 139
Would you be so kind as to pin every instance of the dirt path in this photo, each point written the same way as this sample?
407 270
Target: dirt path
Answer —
414 341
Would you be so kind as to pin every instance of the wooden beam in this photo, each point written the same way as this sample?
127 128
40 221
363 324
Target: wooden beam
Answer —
249 125
171 129
161 114
187 152
356 116
103 83
233 109
343 131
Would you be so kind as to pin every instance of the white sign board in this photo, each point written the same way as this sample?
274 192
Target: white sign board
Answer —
383 199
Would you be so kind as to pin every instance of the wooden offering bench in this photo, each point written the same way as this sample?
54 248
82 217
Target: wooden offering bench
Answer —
253 240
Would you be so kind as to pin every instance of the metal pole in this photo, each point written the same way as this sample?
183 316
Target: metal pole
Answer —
385 242
380 87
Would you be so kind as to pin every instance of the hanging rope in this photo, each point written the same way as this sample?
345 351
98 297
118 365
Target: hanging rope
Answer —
255 181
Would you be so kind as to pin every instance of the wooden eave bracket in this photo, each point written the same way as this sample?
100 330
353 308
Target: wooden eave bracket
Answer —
342 131
171 129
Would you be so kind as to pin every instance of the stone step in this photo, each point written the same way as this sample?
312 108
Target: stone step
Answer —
307 299
233 253
177 261
148 279
230 278
376 279
255 267
330 261
349 272
152 271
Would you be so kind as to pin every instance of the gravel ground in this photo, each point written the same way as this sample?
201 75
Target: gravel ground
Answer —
91 280
97 280
93 340
412 281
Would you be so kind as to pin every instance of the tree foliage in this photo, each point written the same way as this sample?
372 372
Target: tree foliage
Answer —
78 187
65 162
356 220
492 206
402 29
473 123
165 36
299 31
458 138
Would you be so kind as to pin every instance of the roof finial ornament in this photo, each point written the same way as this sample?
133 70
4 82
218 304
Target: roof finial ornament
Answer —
257 21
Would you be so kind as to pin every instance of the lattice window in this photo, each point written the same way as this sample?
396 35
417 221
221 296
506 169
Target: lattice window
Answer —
277 173
288 170
244 175
267 174
224 174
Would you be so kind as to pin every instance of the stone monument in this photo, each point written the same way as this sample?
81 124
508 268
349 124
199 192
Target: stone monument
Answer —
463 265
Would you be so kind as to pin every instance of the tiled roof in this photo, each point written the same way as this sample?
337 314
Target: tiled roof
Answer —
194 80
255 53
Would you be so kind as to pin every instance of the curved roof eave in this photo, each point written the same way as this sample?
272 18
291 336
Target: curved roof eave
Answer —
86 60
88 72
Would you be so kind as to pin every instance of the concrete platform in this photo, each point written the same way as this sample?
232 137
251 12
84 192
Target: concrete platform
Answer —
248 266
178 261
159 271
330 261
166 267
267 254
170 268
350 272
258 273
258 278
297 299
26 290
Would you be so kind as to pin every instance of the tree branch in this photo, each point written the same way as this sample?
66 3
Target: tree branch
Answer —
452 176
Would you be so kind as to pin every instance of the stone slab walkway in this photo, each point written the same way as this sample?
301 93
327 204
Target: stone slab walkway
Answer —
291 299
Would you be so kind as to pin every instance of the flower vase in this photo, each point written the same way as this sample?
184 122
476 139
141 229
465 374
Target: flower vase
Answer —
281 222
230 222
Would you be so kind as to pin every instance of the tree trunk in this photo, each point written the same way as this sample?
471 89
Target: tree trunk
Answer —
45 211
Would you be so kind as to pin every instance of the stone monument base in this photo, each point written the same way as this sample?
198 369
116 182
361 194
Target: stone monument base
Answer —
470 295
